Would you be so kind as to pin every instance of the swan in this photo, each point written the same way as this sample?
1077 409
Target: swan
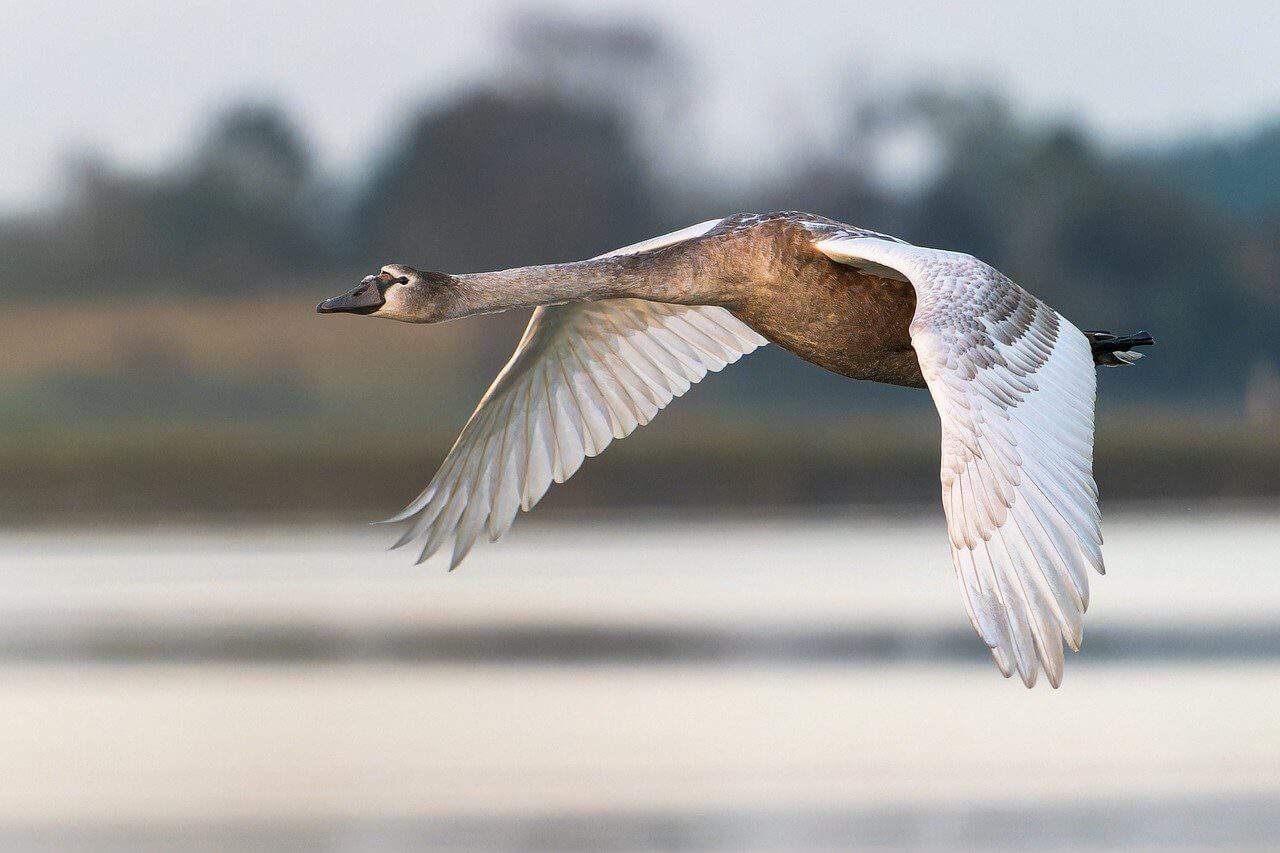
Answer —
615 338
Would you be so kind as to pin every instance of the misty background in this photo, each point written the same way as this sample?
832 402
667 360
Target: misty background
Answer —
158 303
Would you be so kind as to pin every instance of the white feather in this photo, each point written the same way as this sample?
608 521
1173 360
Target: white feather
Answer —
1017 447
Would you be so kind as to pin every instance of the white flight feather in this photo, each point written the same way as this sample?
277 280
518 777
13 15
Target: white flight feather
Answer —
582 375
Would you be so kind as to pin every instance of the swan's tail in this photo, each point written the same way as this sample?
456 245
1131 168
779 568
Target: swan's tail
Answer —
1114 351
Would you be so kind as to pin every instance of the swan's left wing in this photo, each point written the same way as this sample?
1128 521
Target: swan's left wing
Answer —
1013 383
582 375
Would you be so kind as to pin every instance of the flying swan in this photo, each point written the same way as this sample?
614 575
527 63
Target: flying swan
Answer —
615 338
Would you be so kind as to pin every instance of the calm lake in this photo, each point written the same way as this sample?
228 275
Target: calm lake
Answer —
671 683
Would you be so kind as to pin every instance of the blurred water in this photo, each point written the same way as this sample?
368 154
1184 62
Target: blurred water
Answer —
668 683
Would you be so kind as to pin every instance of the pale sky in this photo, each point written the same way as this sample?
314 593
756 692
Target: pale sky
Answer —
137 80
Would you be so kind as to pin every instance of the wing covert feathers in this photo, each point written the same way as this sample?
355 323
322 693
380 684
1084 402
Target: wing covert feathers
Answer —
1014 386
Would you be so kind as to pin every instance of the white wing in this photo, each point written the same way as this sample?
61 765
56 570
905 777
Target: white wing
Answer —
582 375
1013 383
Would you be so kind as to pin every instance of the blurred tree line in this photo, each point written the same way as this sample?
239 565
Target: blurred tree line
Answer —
575 157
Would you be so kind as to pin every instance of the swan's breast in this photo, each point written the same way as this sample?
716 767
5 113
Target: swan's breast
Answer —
844 320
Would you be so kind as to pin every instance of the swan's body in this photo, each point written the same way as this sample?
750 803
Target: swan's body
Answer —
615 338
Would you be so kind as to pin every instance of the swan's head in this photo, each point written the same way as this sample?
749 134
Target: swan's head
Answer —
397 292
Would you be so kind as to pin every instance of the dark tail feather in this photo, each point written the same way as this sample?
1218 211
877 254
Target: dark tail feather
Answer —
1114 351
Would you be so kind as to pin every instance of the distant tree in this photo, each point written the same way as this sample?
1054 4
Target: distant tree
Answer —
599 62
233 218
1239 173
497 179
243 201
627 68
255 158
557 164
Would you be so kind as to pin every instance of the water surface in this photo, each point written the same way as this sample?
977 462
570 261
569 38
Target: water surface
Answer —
771 683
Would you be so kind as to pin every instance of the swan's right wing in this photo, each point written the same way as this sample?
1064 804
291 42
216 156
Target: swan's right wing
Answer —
583 374
1013 382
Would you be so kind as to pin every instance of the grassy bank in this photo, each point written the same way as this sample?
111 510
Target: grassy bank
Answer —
688 460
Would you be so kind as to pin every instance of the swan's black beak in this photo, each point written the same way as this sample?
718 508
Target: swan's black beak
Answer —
366 298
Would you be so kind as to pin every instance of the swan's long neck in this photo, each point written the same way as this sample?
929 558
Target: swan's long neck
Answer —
668 277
